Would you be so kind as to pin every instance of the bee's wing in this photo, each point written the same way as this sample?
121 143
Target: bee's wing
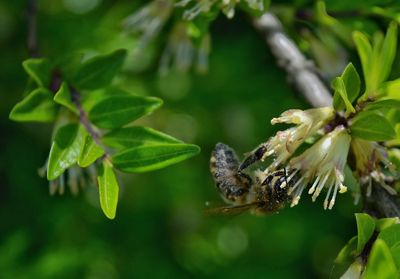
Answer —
231 210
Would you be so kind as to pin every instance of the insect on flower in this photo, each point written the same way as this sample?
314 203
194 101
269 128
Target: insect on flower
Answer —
262 194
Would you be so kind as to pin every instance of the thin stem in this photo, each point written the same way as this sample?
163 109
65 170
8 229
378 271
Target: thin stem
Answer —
301 71
83 118
32 39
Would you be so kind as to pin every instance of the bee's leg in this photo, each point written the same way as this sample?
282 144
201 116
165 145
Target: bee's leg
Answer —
255 155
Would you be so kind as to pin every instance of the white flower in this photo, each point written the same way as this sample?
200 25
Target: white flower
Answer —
322 165
181 53
149 20
285 143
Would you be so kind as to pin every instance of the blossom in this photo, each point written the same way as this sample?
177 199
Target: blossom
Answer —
181 53
149 20
321 166
285 143
227 7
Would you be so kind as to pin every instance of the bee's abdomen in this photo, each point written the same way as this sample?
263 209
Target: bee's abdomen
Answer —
224 169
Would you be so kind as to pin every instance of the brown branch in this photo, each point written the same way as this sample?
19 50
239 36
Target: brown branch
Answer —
32 40
309 84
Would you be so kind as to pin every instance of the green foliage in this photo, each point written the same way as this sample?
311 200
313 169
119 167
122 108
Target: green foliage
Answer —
79 141
347 88
99 71
38 106
365 229
151 157
39 69
370 125
108 189
380 263
135 136
65 149
116 111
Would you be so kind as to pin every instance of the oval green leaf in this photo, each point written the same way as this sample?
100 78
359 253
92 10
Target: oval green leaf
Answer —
90 152
380 263
100 70
134 136
38 106
351 81
384 104
39 69
365 229
65 149
108 190
116 111
153 157
372 126
391 235
63 97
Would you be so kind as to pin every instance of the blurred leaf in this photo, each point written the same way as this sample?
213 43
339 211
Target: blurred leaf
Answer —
134 136
395 250
364 50
90 152
341 96
347 254
39 69
108 190
350 181
391 235
100 70
65 149
37 106
116 111
384 104
388 52
63 97
152 157
352 83
385 223
369 125
365 229
380 263
391 89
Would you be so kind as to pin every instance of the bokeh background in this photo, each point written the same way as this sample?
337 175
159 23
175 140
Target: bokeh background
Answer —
160 230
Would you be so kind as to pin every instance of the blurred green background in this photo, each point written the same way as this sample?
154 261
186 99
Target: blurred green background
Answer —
160 230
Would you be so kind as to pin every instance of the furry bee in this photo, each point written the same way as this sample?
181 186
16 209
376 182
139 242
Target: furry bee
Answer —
262 194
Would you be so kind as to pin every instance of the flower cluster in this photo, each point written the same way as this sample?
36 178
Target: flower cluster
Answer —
226 6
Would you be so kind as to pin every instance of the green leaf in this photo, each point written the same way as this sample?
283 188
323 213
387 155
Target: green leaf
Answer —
350 181
370 125
383 104
39 69
391 235
90 152
395 250
380 263
152 157
341 96
388 52
63 97
37 106
352 83
347 254
385 223
116 111
391 89
365 229
100 70
134 136
65 149
364 50
108 190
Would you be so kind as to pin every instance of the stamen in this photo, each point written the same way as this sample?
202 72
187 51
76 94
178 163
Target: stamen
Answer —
332 202
319 187
295 185
312 189
327 197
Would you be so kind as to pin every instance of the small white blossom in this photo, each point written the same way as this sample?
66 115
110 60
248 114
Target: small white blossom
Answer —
322 166
285 143
149 20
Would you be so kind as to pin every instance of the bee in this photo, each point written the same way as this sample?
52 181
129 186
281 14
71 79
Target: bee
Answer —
261 194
